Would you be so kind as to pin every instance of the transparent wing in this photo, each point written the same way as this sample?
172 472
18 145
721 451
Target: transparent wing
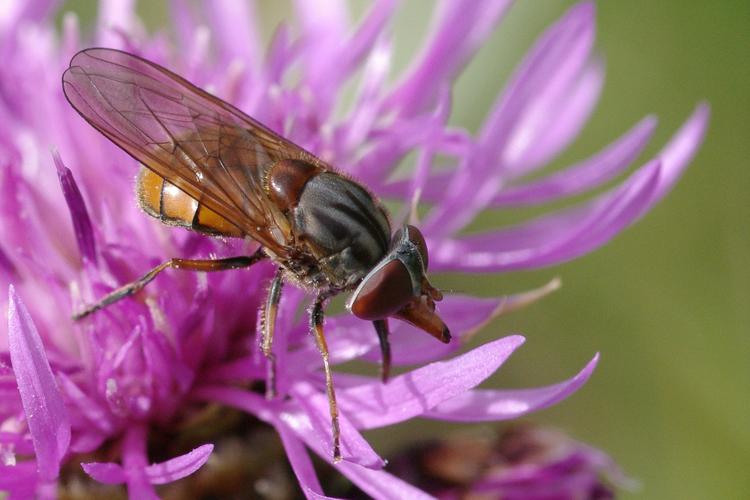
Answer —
201 144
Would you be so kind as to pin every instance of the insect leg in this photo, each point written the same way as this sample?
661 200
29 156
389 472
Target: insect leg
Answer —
269 325
182 264
316 325
381 327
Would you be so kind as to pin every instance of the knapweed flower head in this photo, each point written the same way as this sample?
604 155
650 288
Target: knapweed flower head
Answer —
523 462
71 232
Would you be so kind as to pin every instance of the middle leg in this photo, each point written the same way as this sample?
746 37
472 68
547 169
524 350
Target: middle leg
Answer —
269 325
316 325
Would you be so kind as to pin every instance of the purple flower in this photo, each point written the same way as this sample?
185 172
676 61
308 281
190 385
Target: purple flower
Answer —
524 462
147 363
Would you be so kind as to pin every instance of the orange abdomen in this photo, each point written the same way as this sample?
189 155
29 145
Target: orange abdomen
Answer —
165 201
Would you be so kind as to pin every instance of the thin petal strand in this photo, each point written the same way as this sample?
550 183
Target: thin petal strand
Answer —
179 467
376 404
78 214
105 472
484 405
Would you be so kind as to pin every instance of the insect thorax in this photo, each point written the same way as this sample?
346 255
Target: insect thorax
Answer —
341 228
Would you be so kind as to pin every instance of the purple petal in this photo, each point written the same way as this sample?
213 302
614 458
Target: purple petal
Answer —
183 21
554 238
87 440
376 483
300 462
459 29
88 407
467 315
360 44
680 150
20 444
290 426
19 481
556 60
382 485
365 112
43 405
135 461
105 472
554 121
568 234
324 25
376 404
238 398
490 405
351 338
331 53
280 53
354 448
245 368
7 267
233 25
78 214
584 176
115 17
179 467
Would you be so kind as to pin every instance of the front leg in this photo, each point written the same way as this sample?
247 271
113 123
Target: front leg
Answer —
316 326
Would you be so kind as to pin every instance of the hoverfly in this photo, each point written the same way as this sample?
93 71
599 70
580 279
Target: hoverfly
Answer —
209 167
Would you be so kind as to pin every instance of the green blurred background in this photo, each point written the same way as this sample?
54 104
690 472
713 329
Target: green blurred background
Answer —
666 303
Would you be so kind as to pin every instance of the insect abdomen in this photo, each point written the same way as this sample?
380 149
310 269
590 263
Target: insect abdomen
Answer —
165 201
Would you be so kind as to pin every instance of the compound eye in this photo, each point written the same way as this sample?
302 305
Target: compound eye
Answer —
383 292
415 236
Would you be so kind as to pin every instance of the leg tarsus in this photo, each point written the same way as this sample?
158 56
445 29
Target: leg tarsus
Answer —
381 327
316 325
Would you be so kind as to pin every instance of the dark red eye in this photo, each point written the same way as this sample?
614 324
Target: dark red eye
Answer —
383 293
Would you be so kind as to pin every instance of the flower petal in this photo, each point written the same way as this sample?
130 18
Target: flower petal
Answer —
42 402
459 28
354 448
482 405
556 60
300 462
583 176
19 481
376 404
105 472
467 315
78 214
179 467
135 461
555 119
554 238
376 483
89 408
365 112
233 25
680 150
115 18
